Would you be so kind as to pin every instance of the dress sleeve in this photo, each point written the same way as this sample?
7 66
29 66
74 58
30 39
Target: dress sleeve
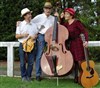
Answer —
83 29
61 21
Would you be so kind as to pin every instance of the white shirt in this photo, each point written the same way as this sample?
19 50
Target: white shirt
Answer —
25 27
42 19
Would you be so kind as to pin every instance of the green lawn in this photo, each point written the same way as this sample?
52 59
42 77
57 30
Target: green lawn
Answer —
7 82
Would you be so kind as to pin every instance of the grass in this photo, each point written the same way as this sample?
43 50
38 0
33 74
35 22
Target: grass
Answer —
7 82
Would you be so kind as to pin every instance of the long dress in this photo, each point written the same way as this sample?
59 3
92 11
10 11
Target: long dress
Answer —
76 44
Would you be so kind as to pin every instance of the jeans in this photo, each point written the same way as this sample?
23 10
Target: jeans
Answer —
26 71
39 51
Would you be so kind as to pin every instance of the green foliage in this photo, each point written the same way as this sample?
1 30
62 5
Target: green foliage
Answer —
94 53
90 17
3 53
10 13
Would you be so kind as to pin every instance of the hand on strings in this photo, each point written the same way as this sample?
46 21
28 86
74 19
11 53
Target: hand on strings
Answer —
62 15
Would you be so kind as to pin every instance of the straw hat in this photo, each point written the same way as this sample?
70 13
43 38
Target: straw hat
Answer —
47 5
24 11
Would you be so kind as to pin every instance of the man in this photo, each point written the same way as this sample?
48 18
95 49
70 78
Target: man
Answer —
47 21
25 30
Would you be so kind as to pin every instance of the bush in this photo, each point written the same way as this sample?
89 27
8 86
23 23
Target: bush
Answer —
10 13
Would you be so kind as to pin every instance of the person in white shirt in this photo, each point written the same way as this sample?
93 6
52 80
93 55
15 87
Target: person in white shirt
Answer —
47 21
25 30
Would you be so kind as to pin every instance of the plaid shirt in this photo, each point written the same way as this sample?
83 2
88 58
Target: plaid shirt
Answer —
76 44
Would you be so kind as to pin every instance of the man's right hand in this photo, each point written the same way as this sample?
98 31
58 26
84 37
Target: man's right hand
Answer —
18 36
17 23
25 35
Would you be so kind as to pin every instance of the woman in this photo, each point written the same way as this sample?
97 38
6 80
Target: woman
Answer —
75 28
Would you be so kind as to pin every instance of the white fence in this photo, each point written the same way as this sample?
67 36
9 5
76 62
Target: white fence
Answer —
10 54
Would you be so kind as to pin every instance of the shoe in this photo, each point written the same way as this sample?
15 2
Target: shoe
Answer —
28 79
38 78
24 79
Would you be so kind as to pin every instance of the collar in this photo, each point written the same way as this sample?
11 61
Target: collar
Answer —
45 15
27 22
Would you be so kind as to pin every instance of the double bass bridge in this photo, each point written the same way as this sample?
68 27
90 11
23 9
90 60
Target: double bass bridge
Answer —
54 48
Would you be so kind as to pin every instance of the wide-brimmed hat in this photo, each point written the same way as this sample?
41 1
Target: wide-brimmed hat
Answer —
70 10
47 5
25 11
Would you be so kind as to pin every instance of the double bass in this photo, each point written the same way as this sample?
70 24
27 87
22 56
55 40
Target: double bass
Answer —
57 60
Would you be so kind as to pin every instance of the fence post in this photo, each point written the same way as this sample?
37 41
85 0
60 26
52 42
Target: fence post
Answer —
10 60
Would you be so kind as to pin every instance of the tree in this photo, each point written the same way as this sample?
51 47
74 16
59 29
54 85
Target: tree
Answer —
10 13
87 11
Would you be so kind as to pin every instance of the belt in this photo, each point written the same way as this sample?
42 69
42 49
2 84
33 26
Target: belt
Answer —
40 34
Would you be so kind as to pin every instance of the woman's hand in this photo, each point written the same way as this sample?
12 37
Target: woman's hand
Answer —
85 44
62 15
